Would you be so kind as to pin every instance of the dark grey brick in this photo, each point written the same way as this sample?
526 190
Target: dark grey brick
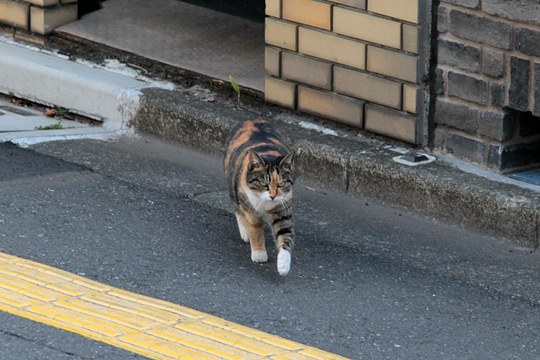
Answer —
498 95
494 156
496 125
528 41
467 87
467 3
439 81
480 29
520 10
458 116
518 92
442 19
493 63
536 110
457 54
439 138
465 147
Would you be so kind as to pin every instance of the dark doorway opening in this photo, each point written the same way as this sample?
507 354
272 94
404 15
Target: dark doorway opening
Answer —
522 150
251 9
87 6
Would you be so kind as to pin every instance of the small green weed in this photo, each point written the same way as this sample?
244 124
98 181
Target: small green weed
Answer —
56 126
235 86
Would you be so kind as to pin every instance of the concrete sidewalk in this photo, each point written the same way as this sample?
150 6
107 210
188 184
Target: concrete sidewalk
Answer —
331 155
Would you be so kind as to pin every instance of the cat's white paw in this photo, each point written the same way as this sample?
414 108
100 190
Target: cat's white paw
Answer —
283 262
259 256
242 229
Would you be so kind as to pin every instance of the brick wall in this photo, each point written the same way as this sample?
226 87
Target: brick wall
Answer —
38 16
353 61
488 76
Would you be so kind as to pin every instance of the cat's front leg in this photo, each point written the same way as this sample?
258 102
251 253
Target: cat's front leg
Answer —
242 228
284 262
252 231
284 243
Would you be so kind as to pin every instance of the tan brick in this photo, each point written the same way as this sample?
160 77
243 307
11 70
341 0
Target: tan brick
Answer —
359 4
45 20
273 8
280 33
367 27
392 63
272 61
331 106
279 92
410 38
390 123
367 87
308 12
44 2
400 9
410 94
306 70
14 13
332 47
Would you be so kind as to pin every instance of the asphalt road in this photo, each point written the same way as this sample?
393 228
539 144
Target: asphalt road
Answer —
368 281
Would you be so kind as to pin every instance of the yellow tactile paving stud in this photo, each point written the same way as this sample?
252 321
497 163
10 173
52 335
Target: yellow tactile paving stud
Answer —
150 327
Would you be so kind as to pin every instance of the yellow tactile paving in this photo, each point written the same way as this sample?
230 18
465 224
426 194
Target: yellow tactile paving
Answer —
150 327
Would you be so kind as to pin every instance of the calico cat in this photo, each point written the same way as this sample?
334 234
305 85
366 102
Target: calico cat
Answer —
259 168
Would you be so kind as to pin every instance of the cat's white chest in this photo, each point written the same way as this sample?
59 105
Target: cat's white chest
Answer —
261 202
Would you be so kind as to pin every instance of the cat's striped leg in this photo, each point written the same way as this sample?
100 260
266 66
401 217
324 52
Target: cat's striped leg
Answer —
283 231
253 229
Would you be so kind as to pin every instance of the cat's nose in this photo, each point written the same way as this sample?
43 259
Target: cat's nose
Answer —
272 197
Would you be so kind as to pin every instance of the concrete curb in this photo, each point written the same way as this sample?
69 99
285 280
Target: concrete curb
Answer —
346 163
353 165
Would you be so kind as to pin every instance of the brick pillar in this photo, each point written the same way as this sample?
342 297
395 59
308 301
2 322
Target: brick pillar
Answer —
352 61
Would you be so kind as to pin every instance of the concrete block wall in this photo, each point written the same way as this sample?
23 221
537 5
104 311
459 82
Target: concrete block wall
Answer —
352 61
38 16
488 76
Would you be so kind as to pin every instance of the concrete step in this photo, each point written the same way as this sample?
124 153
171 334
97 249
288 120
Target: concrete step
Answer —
56 81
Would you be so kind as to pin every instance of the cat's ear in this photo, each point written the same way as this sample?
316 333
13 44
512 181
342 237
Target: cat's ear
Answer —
255 161
287 162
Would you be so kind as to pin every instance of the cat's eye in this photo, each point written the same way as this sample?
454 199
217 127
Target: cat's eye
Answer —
285 183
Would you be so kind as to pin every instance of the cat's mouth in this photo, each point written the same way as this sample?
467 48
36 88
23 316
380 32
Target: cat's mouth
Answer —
276 199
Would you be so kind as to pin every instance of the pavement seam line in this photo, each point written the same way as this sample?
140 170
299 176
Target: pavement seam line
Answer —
150 327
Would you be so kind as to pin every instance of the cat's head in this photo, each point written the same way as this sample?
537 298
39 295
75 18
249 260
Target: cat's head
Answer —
271 180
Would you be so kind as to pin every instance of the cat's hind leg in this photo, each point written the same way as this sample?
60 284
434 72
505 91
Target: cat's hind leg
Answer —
251 227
